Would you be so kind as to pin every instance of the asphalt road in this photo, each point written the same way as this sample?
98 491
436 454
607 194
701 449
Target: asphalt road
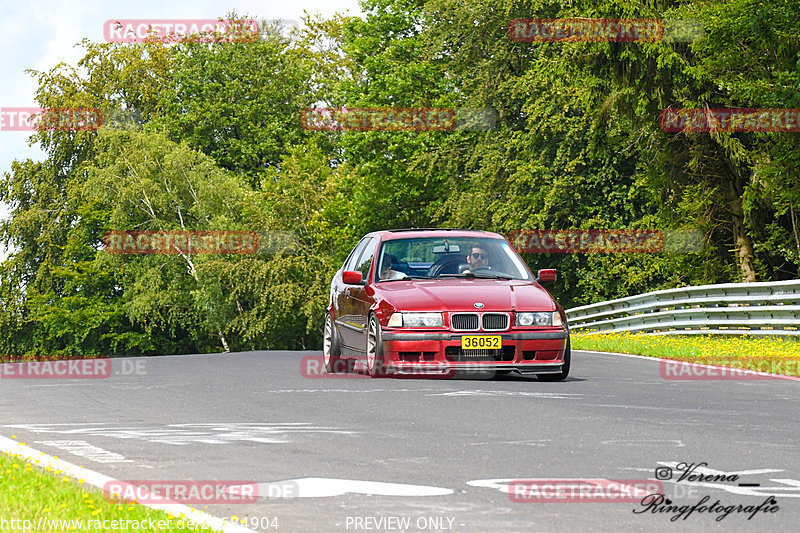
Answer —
360 454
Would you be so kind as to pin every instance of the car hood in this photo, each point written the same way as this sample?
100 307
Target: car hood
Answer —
463 294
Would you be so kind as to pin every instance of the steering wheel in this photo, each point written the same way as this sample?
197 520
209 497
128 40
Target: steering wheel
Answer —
478 268
436 269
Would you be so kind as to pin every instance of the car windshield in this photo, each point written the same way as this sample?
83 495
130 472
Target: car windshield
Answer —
439 258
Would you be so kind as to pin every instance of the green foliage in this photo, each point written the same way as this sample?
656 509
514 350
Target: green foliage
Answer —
239 104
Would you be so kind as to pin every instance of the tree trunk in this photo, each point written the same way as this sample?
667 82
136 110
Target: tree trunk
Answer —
743 247
742 243
794 227
224 342
193 273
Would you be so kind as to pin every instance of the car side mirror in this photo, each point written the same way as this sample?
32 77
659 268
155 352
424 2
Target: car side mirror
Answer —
351 277
546 275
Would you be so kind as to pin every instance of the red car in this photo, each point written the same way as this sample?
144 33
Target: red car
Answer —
432 302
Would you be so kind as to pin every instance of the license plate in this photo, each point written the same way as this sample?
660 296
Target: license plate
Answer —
481 342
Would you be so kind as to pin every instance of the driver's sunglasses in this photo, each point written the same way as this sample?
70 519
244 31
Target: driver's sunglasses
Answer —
476 255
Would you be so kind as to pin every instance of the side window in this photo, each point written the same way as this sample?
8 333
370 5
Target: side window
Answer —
366 258
350 264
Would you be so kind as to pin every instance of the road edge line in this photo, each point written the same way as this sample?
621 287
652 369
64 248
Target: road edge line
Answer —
98 480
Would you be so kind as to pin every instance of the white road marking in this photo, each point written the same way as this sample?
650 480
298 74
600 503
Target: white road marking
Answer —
536 442
504 484
624 355
179 434
501 484
99 481
320 487
81 448
479 392
675 443
356 391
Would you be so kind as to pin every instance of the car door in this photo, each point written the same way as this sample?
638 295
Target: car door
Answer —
357 301
339 289
348 322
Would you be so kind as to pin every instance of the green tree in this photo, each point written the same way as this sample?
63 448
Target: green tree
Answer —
238 103
54 298
143 181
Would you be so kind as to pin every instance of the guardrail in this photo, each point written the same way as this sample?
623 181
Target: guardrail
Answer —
767 308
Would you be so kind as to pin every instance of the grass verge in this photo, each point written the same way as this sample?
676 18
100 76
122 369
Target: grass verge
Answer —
773 355
35 499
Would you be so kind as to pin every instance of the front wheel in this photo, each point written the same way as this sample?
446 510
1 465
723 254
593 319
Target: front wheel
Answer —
561 376
375 361
331 351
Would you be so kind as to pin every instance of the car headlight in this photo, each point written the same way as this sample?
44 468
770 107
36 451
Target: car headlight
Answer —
549 318
416 320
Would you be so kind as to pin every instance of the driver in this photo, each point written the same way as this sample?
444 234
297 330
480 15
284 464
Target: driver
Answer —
478 257
386 268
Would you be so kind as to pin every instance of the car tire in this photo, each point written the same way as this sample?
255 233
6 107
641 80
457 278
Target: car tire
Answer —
331 351
376 365
561 376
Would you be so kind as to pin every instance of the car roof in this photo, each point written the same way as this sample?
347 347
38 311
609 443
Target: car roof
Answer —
414 233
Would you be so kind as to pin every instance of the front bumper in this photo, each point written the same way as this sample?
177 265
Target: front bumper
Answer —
439 352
